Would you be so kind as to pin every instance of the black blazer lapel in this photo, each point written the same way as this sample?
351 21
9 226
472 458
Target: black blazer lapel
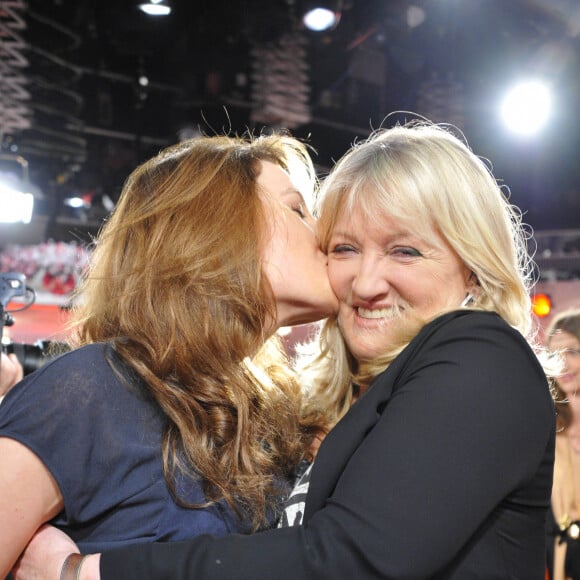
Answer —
346 437
339 445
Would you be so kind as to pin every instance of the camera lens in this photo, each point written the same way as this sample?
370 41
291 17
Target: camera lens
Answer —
33 356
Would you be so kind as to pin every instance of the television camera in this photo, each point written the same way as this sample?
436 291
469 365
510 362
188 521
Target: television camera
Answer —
30 356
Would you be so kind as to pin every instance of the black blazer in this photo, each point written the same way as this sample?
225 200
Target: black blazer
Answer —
443 469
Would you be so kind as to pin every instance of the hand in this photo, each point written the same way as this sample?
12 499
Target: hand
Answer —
44 555
10 372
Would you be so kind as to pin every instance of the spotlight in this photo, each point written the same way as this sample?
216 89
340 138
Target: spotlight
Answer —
16 197
155 8
526 108
320 15
16 205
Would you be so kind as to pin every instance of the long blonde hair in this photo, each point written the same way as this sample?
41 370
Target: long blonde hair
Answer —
176 286
428 179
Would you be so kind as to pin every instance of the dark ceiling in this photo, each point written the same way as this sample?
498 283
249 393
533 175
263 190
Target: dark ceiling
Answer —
227 65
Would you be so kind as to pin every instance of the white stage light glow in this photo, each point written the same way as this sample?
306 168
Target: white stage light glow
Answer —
527 107
16 206
320 19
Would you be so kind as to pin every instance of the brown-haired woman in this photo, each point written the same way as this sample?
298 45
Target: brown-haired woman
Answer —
564 545
176 414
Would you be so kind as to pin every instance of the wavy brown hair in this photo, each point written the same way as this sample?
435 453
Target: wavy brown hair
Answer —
176 285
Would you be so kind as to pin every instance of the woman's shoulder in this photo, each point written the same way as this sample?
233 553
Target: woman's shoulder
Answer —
77 397
474 326
92 354
465 318
82 378
476 342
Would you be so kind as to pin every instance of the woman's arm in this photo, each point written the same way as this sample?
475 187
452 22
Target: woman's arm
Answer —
29 497
45 555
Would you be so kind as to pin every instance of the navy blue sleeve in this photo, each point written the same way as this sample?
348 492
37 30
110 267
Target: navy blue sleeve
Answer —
87 428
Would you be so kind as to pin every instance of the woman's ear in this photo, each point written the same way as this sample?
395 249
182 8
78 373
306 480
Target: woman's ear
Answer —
473 285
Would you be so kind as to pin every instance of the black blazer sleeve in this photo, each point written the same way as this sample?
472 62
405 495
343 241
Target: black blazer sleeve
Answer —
418 467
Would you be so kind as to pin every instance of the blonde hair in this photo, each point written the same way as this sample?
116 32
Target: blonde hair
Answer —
428 179
176 286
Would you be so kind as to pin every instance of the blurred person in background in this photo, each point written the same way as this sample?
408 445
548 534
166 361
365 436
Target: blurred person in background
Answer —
563 338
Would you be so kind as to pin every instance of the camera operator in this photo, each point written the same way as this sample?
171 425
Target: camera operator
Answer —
11 372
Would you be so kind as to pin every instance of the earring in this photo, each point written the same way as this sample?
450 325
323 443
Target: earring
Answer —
467 300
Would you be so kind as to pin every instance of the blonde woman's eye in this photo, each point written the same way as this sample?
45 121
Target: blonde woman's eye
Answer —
342 249
406 251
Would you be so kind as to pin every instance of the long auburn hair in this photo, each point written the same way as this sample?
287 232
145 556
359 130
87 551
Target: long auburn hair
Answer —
176 285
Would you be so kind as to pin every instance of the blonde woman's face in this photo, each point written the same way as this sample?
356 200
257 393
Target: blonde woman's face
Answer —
569 347
291 259
381 271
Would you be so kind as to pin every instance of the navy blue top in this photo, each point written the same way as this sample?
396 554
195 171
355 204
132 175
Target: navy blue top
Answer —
101 440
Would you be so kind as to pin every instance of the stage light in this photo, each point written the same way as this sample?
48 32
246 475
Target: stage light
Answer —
526 108
541 305
322 15
155 8
16 205
75 202
16 197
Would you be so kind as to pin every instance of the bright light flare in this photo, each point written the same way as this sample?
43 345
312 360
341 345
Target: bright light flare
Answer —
75 202
155 8
527 107
320 19
15 206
